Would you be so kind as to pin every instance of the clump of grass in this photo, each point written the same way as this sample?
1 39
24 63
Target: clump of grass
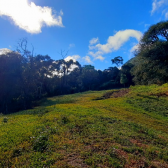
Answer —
64 119
5 120
54 130
123 141
17 152
42 112
114 159
40 143
133 150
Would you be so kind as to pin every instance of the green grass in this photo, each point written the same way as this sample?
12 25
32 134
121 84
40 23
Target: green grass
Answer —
84 130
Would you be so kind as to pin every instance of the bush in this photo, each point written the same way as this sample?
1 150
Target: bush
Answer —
5 119
41 143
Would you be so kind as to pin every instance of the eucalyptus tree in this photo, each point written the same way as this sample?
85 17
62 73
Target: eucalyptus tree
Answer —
152 56
117 60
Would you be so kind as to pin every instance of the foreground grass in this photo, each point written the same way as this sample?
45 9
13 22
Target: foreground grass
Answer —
88 130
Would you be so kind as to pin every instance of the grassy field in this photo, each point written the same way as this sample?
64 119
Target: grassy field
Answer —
115 128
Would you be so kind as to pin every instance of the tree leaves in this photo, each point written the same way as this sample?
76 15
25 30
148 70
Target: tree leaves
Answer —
152 66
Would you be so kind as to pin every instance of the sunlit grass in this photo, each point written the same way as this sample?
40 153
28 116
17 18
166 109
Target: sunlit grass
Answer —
81 130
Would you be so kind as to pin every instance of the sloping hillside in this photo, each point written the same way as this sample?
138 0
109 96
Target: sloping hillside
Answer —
116 128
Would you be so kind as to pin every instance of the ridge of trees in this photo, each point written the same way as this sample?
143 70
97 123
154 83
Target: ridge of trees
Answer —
26 78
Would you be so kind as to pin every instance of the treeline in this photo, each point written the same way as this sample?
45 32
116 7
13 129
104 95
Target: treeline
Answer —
25 78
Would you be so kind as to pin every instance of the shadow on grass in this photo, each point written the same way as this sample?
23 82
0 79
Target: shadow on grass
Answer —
43 106
148 97
49 102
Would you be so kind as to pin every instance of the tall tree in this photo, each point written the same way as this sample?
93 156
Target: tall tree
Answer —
152 56
117 60
123 79
126 70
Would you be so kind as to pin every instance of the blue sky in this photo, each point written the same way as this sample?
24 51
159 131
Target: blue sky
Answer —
92 31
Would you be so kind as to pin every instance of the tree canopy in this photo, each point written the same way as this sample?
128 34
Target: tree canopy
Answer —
152 56
26 78
117 60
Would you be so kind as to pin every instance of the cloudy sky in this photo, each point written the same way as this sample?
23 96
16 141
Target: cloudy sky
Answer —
90 31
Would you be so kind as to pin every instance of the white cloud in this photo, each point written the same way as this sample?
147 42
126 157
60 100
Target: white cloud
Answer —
87 59
71 45
73 66
166 15
157 4
134 48
147 25
160 5
4 51
95 54
114 43
94 41
73 57
99 57
28 16
154 7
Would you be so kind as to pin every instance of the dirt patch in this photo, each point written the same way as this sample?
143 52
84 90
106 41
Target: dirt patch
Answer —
115 94
122 154
158 164
71 160
160 94
107 95
138 143
137 164
131 163
120 93
74 160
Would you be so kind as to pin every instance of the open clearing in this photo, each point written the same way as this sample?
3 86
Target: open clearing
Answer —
115 128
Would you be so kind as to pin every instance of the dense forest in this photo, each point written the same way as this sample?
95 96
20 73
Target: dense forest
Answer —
26 78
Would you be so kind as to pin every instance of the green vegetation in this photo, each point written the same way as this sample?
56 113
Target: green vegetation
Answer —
151 64
116 128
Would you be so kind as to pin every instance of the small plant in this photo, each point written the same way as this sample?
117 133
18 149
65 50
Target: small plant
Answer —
113 153
17 152
40 143
152 153
114 160
42 112
123 141
64 120
5 119
54 130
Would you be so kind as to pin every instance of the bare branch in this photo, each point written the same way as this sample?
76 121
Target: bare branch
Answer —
23 49
63 53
